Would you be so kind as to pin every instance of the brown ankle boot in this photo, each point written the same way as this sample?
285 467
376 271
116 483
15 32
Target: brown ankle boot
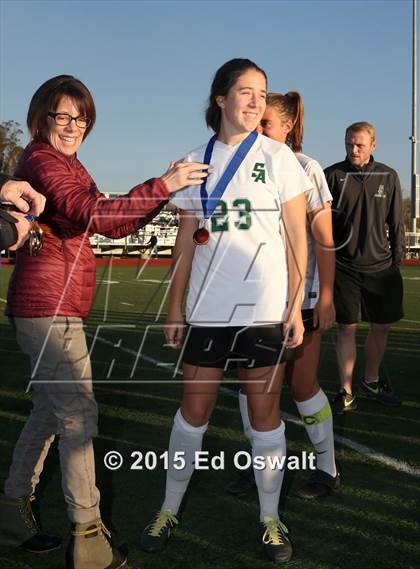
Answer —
90 548
18 527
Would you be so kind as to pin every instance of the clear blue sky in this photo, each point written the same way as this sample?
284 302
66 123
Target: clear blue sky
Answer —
149 66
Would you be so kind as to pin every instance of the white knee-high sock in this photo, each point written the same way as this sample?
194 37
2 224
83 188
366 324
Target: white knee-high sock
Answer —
243 407
269 444
186 440
317 418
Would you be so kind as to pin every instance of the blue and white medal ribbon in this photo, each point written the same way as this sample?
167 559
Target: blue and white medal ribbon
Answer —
201 236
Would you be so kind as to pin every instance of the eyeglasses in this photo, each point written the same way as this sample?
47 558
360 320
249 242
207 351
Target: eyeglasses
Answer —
64 119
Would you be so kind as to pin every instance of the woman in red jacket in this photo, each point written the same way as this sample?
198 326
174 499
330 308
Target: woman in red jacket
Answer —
49 296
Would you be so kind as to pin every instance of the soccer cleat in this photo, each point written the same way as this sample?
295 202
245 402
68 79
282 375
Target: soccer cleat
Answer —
242 485
319 485
343 401
275 541
155 536
381 391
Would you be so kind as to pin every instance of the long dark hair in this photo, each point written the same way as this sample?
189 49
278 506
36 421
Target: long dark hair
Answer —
225 77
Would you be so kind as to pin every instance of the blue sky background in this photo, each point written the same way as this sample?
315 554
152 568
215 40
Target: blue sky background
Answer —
149 66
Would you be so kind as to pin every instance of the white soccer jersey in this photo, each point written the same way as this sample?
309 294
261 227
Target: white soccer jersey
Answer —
315 198
239 278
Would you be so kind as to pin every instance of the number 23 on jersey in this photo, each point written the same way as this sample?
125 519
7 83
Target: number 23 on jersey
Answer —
220 219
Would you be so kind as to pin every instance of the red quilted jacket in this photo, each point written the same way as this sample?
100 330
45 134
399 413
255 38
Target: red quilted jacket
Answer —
60 280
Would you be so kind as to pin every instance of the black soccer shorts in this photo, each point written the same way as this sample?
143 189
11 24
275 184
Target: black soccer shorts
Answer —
378 296
308 320
223 347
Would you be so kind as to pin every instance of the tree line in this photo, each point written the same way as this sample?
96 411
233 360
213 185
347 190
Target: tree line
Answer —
10 146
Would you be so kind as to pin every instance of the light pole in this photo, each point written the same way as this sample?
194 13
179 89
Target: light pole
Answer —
415 178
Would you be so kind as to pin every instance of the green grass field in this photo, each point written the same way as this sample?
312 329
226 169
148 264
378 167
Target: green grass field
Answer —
372 521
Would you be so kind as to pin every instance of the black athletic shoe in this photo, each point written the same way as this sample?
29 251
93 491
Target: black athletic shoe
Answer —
380 391
155 536
275 540
319 485
343 402
242 485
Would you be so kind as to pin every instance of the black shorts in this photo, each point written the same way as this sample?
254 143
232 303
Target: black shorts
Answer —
231 346
378 296
308 320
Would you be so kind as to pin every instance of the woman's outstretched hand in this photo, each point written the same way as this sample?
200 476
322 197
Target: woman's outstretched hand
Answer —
181 174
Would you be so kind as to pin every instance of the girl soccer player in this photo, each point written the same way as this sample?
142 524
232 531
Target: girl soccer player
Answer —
230 251
283 121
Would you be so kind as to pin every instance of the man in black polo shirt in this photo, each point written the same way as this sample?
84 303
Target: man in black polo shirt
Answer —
369 238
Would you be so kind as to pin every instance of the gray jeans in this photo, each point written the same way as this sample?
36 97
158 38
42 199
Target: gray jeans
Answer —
63 404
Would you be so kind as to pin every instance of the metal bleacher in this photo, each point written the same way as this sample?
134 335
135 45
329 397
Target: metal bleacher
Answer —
157 238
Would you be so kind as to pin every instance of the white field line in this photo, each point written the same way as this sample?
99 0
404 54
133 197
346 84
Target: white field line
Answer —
143 281
394 463
152 281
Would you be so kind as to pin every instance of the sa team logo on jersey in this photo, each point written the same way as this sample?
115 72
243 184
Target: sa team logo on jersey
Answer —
259 172
381 192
